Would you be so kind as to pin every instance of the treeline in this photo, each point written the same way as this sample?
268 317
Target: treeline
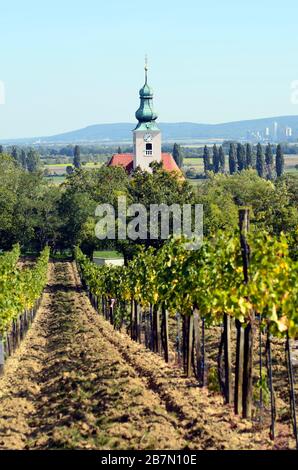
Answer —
35 212
244 157
28 159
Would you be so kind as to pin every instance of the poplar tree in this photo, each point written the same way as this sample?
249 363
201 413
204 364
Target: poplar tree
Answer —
260 165
77 157
32 160
222 161
215 159
206 158
279 161
248 156
240 157
14 153
178 155
269 162
23 159
232 159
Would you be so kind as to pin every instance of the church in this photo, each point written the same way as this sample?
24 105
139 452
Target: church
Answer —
146 139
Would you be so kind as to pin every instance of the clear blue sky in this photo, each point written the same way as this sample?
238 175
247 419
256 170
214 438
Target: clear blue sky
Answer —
67 64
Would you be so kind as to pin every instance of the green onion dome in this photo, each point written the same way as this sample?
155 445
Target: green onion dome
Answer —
145 113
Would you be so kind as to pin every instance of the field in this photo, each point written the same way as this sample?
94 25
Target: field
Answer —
91 387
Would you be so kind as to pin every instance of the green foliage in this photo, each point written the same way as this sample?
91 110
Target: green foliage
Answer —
262 385
274 206
77 157
241 161
32 160
28 207
232 159
269 161
178 155
209 279
212 380
215 159
260 164
222 160
279 161
206 157
248 156
19 288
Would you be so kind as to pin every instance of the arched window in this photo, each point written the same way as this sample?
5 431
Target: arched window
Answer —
148 149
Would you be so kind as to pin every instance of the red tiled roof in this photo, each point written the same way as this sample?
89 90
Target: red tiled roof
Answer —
122 159
126 161
169 163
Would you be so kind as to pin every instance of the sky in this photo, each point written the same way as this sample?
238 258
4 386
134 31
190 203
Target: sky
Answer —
67 64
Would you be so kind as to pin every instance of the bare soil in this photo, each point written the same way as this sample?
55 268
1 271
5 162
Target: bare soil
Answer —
76 383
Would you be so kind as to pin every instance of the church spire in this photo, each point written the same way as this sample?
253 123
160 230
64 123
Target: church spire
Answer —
145 114
146 68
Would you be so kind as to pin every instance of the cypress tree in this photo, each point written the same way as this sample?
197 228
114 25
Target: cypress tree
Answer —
240 157
32 160
222 160
206 157
77 157
14 153
23 159
232 159
215 159
279 161
1 149
119 150
248 156
260 165
269 161
178 155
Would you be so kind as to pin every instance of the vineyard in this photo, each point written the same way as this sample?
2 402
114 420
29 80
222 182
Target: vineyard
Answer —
246 286
20 291
212 361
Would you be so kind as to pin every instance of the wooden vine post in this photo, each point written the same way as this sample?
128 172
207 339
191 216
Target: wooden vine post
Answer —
132 319
156 330
1 356
239 368
165 331
197 349
228 358
187 343
247 388
272 399
292 389
137 322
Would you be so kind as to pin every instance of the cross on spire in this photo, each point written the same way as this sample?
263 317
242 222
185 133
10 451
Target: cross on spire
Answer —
146 67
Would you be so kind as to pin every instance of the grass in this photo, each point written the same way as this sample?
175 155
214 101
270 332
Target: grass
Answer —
64 165
57 165
107 254
55 179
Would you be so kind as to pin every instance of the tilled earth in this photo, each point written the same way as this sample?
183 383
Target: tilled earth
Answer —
75 383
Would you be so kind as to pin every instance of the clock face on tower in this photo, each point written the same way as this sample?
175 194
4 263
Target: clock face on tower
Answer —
147 137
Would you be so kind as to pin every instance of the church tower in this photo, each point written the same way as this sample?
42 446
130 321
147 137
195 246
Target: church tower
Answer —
146 135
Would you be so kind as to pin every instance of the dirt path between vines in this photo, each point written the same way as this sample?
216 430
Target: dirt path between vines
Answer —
75 383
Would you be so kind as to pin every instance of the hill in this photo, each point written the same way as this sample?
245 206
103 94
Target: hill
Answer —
183 131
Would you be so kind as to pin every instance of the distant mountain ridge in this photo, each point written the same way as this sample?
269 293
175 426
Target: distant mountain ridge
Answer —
121 132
